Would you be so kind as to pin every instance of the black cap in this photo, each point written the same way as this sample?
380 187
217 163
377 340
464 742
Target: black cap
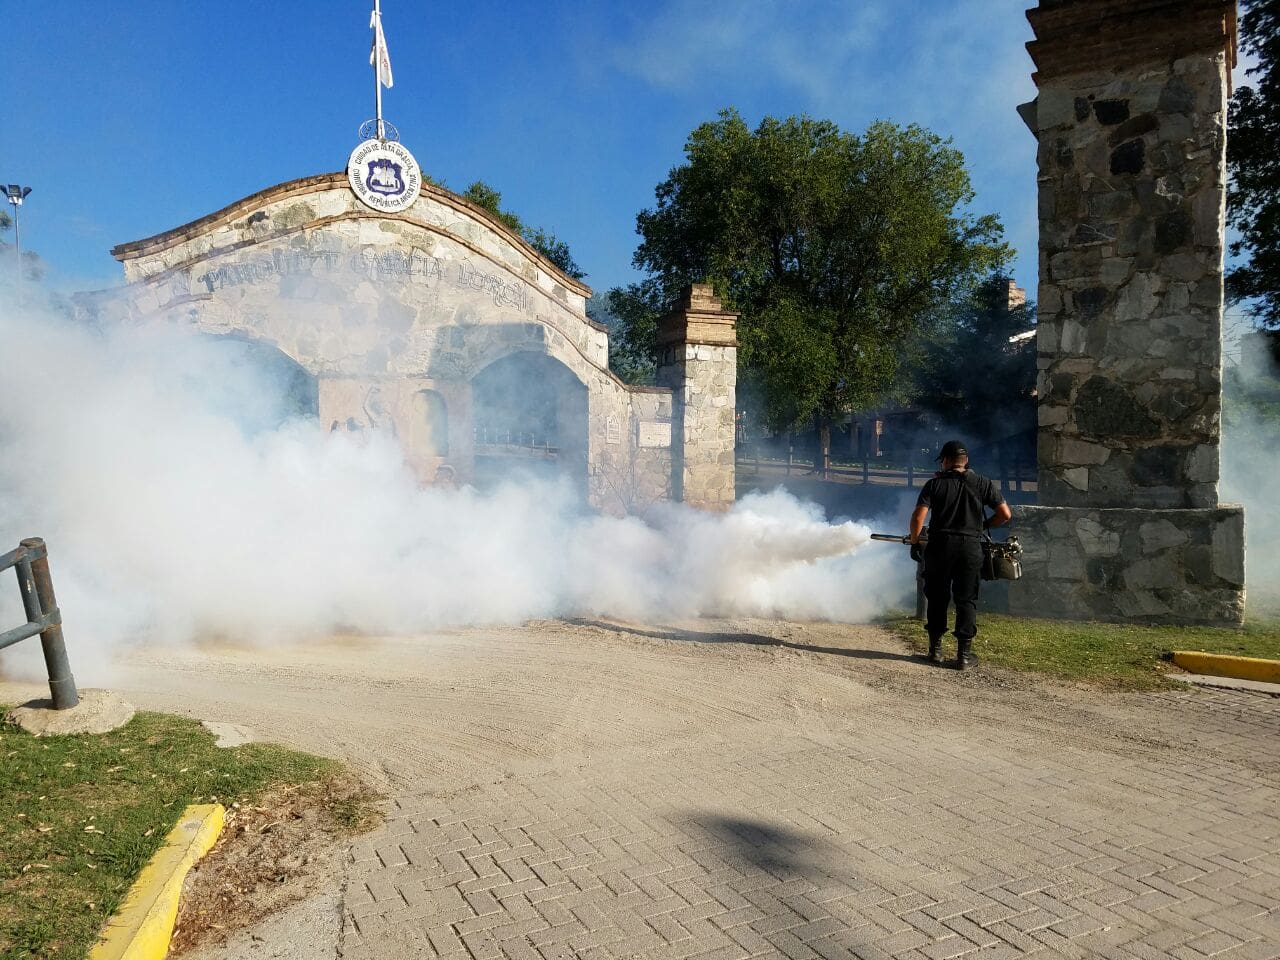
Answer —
952 450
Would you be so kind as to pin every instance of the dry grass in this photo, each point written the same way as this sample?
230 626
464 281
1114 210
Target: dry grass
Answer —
81 815
271 853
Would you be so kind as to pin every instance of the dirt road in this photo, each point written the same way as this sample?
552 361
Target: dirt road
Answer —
752 788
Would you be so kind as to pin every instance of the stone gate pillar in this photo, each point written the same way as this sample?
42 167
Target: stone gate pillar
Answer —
698 359
1131 124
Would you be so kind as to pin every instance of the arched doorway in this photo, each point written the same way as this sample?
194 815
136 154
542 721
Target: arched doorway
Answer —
259 386
530 417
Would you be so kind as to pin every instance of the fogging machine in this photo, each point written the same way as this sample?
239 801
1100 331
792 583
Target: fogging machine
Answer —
1000 561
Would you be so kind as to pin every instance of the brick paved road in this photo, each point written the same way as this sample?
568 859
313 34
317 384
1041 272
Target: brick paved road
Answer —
840 806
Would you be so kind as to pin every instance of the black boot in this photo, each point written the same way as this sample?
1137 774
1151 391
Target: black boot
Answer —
965 660
935 651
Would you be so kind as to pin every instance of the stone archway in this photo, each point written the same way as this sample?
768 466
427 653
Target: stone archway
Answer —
381 308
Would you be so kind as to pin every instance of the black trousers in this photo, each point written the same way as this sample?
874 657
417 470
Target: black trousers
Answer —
952 571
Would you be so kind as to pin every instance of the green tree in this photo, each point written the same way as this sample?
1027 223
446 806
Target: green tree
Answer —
631 314
1253 197
483 195
545 242
977 372
835 248
555 250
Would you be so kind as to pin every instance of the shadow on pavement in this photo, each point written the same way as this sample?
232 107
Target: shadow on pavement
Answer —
755 639
779 851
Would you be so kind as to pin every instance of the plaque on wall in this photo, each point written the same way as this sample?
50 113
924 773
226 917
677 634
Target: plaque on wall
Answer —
655 433
612 430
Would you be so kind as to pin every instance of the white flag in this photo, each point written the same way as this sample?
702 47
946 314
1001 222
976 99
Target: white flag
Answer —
379 54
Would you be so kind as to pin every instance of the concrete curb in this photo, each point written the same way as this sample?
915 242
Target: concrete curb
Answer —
142 927
1219 665
1228 683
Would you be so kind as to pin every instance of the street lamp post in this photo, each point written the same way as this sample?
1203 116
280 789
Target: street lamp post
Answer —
16 194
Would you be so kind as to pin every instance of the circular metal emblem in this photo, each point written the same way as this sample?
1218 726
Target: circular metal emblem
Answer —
384 175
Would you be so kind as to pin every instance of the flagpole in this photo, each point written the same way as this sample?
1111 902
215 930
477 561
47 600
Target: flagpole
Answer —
377 75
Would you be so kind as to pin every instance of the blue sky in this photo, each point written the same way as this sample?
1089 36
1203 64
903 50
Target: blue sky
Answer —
131 118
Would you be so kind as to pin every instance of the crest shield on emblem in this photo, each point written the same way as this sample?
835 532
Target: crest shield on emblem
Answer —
384 178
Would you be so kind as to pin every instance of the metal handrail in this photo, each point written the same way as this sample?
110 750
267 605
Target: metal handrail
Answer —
31 562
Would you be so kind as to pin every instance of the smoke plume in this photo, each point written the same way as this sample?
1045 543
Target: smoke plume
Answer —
179 500
1251 436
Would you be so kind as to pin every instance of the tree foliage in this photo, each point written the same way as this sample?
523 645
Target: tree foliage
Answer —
631 314
483 195
971 378
544 241
1253 160
835 248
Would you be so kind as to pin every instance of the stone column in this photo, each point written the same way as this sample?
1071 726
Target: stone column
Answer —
1131 124
698 360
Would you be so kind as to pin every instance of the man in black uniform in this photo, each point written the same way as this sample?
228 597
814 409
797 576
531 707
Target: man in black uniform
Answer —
956 498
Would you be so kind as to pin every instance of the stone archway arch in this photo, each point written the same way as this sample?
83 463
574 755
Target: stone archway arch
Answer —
465 351
531 414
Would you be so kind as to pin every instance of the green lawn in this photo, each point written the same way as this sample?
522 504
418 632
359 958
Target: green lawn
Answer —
1106 654
81 815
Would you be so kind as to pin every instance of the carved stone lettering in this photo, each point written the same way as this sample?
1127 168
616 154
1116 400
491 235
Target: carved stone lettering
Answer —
506 292
372 263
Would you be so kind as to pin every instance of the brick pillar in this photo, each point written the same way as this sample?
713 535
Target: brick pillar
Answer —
1131 124
698 360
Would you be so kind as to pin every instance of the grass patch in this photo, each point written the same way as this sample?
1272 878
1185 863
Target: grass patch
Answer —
1114 655
81 815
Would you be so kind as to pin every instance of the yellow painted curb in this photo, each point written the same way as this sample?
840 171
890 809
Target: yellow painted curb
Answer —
1218 665
142 927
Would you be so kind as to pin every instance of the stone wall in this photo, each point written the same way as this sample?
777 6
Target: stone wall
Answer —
1132 216
632 470
1160 566
1131 124
698 350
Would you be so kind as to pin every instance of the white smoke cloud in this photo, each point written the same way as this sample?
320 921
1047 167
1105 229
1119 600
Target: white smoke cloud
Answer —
175 508
1251 435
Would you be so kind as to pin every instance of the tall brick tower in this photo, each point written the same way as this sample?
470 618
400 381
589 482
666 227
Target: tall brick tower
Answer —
1131 124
